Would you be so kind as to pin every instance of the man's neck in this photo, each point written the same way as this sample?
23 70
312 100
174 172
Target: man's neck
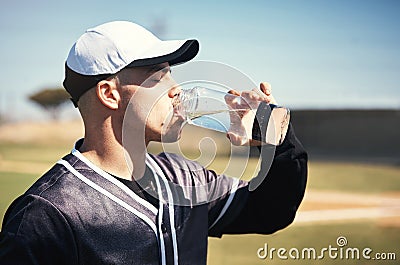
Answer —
123 160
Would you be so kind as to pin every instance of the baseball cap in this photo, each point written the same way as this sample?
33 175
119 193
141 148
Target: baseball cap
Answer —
108 48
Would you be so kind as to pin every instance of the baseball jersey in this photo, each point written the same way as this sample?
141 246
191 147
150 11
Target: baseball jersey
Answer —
76 213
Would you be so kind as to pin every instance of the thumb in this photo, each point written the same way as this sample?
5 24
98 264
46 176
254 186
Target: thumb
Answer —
266 88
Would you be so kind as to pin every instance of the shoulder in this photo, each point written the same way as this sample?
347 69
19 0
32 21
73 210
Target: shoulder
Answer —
43 196
178 169
54 182
177 161
34 229
32 214
190 173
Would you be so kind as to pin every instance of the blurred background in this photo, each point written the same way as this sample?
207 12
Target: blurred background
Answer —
335 64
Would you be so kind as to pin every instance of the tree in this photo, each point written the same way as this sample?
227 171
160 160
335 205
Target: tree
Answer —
51 100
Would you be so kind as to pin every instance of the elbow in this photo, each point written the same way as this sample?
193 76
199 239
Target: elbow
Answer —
283 219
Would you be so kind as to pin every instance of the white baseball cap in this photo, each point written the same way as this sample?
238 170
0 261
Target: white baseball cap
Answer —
108 48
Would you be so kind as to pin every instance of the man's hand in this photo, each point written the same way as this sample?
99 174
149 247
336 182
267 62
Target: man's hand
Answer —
267 91
244 106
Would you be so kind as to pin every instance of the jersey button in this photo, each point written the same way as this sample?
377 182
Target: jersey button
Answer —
163 228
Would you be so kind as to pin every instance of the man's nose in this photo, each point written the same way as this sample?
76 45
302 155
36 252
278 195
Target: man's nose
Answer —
174 91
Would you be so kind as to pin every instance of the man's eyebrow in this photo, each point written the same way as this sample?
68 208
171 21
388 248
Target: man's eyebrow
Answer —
156 68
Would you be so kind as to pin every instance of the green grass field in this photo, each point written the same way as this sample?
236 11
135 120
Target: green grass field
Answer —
22 164
242 249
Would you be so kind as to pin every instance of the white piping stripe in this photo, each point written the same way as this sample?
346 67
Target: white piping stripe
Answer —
160 217
172 221
228 202
114 181
109 195
171 208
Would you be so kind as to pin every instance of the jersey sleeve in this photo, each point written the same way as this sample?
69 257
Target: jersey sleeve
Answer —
36 232
274 203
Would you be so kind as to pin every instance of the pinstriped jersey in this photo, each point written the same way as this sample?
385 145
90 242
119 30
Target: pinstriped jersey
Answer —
77 213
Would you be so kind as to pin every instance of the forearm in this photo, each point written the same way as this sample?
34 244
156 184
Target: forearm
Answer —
273 204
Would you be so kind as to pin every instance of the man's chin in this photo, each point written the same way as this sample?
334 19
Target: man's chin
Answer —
171 137
173 132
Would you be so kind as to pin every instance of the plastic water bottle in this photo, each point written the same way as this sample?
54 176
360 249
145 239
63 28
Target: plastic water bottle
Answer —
220 111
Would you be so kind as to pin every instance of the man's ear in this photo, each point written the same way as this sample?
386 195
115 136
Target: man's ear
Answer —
108 94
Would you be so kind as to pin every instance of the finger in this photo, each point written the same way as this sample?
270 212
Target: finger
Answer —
271 100
266 88
232 98
252 95
235 139
234 92
240 141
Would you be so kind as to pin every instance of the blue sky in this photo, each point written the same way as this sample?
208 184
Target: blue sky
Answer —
316 54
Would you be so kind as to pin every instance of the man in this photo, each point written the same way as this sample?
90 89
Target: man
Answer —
95 206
